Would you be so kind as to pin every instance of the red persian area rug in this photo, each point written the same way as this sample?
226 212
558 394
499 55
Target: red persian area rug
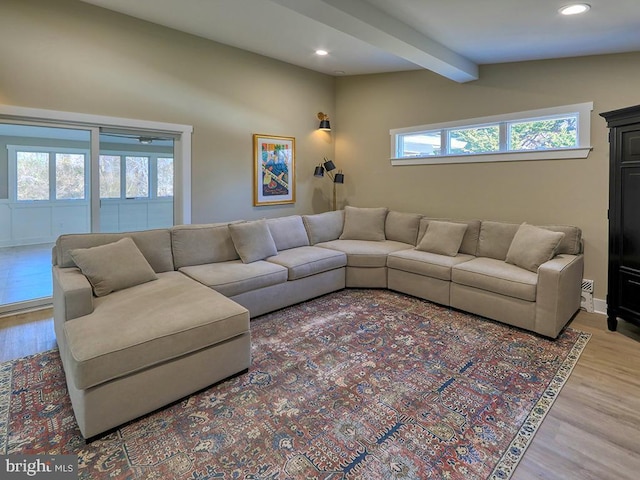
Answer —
358 384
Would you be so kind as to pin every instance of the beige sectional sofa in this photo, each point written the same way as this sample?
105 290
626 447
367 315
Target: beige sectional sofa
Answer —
145 318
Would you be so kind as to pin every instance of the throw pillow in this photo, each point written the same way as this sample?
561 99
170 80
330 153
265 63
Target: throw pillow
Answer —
253 240
364 223
443 238
114 266
532 246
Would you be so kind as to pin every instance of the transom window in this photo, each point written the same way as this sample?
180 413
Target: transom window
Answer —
553 133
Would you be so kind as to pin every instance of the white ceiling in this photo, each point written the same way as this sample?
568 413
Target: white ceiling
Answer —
449 37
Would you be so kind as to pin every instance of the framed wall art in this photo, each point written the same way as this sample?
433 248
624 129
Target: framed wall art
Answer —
274 177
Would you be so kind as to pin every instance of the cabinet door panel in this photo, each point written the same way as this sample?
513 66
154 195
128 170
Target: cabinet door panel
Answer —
631 146
630 293
630 218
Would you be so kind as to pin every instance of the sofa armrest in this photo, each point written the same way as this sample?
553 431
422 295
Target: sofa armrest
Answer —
558 293
72 294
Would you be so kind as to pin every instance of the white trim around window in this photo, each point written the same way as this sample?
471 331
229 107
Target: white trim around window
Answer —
503 153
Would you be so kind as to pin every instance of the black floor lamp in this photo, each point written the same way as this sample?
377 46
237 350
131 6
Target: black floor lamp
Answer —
328 166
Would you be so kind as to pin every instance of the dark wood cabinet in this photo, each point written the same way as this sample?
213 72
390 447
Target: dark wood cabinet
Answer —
623 298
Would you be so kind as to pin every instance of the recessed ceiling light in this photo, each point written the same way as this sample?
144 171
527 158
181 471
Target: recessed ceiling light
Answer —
574 8
322 53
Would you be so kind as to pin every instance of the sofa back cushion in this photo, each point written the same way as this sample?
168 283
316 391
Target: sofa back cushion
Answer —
572 242
202 244
288 232
324 227
469 243
495 239
364 223
402 227
155 245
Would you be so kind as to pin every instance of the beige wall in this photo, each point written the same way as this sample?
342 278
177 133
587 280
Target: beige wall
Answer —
554 191
70 56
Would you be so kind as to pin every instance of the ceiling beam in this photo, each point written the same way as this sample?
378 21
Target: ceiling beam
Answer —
365 22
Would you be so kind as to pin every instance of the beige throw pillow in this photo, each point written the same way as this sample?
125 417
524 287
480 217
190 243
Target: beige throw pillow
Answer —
114 266
364 223
253 240
443 238
532 246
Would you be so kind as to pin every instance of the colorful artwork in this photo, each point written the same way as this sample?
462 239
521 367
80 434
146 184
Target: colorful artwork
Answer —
274 163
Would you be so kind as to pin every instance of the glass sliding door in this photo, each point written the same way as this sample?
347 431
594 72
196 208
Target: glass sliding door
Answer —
136 179
44 193
62 172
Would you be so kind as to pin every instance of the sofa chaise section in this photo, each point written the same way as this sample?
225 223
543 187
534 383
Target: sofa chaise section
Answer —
136 349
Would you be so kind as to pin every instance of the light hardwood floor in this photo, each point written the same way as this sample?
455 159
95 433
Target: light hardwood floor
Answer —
591 433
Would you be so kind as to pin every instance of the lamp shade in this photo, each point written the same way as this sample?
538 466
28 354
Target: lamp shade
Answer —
319 171
329 165
324 121
324 125
339 178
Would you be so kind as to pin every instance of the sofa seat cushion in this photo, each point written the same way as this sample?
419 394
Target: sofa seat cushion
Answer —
155 322
304 261
235 277
365 253
426 263
497 276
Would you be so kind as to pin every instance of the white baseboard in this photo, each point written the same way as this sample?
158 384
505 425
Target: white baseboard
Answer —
599 306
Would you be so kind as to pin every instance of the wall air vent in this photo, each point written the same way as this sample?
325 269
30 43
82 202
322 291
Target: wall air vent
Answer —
586 300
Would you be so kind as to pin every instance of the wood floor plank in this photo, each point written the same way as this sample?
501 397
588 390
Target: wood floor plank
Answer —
26 334
591 433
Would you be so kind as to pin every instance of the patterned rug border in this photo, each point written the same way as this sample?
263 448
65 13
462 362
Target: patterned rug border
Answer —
506 466
6 374
503 470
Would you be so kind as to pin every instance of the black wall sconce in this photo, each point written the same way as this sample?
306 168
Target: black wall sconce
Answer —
338 177
324 122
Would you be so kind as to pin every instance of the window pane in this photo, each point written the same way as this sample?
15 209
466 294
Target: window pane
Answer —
420 144
109 167
165 177
544 134
474 140
137 179
33 175
69 176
